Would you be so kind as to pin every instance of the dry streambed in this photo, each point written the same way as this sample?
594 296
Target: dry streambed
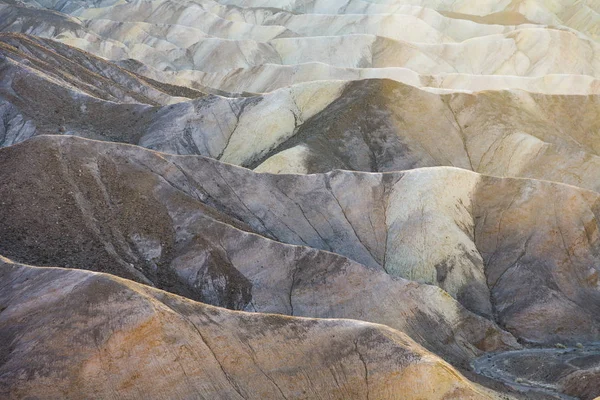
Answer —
543 371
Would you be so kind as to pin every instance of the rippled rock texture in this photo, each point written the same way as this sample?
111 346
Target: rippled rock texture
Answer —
287 199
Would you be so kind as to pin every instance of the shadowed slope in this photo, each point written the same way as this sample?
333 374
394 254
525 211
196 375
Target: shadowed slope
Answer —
79 71
427 165
139 215
372 125
477 237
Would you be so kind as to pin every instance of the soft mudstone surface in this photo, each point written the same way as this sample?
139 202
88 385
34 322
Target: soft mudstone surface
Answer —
289 199
128 340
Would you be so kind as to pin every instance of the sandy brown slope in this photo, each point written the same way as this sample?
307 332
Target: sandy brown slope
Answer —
127 211
584 382
460 261
73 334
381 125
520 252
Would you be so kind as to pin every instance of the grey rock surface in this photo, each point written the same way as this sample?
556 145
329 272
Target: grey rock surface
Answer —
299 172
142 216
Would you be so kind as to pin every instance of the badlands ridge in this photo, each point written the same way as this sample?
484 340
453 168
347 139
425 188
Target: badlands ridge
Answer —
285 199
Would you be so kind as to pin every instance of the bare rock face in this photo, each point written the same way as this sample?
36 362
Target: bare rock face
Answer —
164 228
151 217
74 334
64 67
280 199
582 383
371 126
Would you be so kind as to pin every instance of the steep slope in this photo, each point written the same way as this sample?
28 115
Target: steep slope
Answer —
427 165
386 126
516 53
132 341
127 211
67 67
373 125
269 77
30 100
500 247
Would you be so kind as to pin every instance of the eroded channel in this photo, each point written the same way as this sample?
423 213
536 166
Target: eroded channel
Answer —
549 371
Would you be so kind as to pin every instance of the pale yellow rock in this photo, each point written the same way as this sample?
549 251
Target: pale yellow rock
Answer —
443 45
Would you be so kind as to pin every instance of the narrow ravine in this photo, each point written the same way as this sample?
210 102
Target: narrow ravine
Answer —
538 370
